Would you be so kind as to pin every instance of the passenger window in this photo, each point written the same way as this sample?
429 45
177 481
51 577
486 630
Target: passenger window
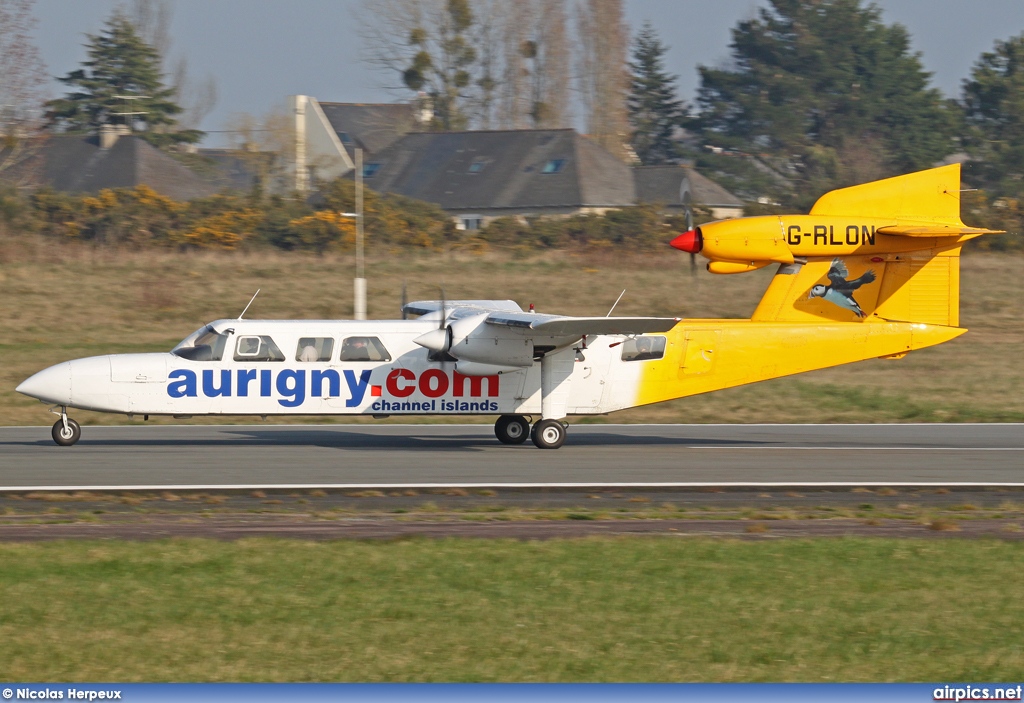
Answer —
363 349
252 347
314 349
643 348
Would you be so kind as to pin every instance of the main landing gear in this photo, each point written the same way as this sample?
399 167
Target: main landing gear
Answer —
66 431
548 434
514 429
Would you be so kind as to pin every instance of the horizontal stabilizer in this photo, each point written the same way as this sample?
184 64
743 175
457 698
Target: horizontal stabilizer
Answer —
935 230
561 326
931 196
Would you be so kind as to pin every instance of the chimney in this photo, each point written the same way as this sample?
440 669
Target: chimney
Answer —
109 134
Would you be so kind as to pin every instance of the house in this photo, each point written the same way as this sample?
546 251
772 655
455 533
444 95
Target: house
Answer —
478 176
482 175
681 187
327 134
89 164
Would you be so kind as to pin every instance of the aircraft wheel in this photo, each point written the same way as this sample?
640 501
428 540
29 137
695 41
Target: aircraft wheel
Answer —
548 434
66 437
512 429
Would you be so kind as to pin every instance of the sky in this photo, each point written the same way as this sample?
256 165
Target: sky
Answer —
261 51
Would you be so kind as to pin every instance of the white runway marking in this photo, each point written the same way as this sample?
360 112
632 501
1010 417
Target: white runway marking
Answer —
429 486
826 447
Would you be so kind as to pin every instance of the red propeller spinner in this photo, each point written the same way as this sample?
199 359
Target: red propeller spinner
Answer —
691 242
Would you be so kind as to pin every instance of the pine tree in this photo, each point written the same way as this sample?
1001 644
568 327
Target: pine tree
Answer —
654 109
829 92
993 103
119 84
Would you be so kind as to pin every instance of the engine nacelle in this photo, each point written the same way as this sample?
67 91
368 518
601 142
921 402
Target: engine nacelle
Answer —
471 339
735 266
744 240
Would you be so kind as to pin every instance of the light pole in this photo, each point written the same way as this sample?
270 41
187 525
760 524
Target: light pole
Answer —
360 280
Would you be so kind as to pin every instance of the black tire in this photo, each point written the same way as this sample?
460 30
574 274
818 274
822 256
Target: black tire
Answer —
511 429
66 438
548 434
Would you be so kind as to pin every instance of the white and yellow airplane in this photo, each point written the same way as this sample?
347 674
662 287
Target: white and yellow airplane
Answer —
872 271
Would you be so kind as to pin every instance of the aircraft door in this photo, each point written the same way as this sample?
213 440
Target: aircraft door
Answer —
589 379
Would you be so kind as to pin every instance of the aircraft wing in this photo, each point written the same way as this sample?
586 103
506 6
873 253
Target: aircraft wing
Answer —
464 308
562 326
935 230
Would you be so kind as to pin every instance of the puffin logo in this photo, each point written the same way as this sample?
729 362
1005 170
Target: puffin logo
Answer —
839 291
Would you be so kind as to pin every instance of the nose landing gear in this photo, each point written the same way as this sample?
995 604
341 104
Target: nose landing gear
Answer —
66 431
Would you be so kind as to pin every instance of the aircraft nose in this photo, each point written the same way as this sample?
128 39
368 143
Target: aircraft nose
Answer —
52 385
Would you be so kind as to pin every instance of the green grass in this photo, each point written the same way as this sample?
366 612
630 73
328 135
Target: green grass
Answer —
628 609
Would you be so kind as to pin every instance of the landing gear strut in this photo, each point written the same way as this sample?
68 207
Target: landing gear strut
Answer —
512 429
548 434
66 431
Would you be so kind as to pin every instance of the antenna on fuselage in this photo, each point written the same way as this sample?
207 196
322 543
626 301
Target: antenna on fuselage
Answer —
616 302
254 298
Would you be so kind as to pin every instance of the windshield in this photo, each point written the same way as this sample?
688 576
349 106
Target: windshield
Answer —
205 344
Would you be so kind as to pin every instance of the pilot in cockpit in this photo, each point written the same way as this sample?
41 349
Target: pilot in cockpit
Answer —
355 349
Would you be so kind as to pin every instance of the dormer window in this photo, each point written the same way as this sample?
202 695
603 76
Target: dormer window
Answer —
345 139
553 166
370 169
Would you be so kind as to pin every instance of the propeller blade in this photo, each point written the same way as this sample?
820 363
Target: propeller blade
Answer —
405 300
444 309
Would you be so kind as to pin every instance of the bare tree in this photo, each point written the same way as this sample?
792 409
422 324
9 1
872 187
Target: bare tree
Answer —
520 71
514 92
152 20
22 81
603 78
549 51
489 36
266 145
427 46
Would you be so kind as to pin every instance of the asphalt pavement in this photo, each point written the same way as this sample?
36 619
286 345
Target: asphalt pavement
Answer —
468 455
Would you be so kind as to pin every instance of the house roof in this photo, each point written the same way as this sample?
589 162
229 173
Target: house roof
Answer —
665 185
371 127
503 169
77 164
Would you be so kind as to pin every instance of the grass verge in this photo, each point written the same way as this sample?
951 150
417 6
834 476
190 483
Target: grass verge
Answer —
599 609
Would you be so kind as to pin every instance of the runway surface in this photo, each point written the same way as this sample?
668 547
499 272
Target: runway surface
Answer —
250 456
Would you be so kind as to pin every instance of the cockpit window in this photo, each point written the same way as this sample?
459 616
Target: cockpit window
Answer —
643 348
314 349
251 347
205 344
363 349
